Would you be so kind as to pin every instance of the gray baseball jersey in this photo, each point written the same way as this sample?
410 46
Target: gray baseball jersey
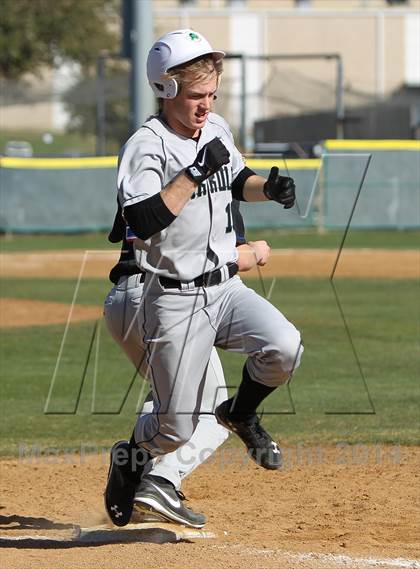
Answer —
150 159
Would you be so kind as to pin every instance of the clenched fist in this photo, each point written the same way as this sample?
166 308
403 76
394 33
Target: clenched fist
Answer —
261 250
211 157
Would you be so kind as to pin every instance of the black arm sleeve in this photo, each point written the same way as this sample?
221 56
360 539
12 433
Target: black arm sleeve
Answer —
148 217
238 223
239 182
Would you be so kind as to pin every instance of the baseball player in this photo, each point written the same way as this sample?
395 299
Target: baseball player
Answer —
123 314
177 177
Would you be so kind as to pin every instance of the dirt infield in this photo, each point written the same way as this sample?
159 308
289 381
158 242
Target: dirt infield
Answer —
359 263
18 313
328 507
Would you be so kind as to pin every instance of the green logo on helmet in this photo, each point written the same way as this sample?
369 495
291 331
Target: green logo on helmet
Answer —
194 36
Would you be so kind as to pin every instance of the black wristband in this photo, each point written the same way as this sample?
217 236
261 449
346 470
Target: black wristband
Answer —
194 174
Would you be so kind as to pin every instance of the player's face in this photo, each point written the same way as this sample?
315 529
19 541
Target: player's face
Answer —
188 112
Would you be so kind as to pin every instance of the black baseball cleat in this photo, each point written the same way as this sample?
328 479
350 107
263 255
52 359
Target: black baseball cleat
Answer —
159 497
121 484
261 447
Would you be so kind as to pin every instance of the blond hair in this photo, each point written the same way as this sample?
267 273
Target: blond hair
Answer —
194 71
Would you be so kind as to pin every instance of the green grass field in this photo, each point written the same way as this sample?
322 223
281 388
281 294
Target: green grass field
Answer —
278 239
327 401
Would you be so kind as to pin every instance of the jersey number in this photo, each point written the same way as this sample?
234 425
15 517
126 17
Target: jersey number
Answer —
229 225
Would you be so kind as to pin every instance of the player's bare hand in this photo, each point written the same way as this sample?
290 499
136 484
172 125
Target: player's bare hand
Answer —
251 254
211 158
280 189
262 251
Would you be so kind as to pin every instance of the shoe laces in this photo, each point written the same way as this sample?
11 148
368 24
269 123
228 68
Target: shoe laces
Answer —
258 429
181 495
183 498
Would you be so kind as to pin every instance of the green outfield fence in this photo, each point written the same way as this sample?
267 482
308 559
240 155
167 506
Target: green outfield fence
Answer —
65 195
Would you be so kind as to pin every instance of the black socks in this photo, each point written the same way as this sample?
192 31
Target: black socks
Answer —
249 396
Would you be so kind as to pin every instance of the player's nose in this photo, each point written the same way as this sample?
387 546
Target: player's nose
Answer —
205 103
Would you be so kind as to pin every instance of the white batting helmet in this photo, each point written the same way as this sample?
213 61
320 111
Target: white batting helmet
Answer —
172 49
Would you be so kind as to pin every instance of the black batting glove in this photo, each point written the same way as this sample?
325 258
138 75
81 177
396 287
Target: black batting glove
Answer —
280 189
211 158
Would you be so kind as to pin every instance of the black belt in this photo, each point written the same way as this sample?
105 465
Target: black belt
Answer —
207 279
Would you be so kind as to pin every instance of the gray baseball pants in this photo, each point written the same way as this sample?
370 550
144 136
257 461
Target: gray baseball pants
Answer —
123 315
181 327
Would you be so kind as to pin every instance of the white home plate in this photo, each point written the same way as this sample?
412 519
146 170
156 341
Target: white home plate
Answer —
151 532
148 532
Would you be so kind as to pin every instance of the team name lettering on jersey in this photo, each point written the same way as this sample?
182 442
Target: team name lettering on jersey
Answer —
219 182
